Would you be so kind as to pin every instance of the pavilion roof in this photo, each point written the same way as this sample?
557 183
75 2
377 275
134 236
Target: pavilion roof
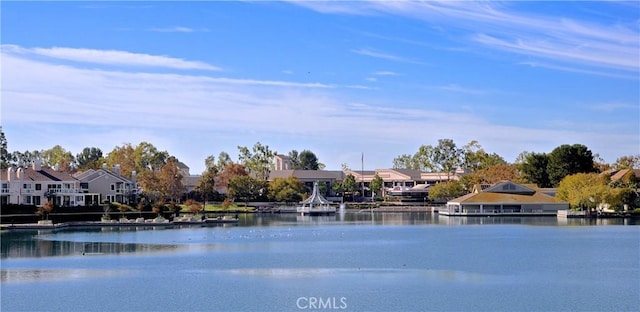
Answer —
315 197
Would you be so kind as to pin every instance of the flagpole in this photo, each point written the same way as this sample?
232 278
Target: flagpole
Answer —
362 174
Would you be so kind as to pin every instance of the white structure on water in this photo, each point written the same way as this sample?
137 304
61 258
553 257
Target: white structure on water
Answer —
316 204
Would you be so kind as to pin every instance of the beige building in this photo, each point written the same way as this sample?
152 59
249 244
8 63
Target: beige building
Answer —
110 184
505 198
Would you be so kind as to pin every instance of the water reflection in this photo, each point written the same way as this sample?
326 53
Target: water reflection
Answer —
40 275
35 244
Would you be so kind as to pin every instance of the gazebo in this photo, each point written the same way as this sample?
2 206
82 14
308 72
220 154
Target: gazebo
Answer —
316 204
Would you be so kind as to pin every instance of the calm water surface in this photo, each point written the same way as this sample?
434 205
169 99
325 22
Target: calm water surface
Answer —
353 262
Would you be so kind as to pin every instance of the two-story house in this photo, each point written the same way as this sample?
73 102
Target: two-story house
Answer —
35 184
109 184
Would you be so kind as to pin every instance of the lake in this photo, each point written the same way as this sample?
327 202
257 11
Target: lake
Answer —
350 262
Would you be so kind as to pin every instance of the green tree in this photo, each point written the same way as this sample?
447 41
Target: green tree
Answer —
338 189
423 159
145 155
376 185
207 184
89 158
404 161
286 189
476 158
566 160
447 190
307 160
17 158
349 184
522 157
4 154
123 156
258 161
295 161
58 156
584 191
223 160
534 169
246 188
210 163
446 156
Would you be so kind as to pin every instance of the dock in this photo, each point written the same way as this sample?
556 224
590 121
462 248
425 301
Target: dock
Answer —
116 223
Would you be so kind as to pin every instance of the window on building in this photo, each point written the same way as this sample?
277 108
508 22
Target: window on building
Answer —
26 186
84 185
37 200
113 187
38 187
27 200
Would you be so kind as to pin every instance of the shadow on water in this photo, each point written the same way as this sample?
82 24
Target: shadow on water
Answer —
33 244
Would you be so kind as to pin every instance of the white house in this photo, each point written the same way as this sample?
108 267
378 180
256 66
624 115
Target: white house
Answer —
36 184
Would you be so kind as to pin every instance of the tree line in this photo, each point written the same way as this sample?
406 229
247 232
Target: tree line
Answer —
573 169
246 178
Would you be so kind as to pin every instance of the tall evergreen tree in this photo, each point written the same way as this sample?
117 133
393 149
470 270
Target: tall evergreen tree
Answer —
566 160
4 155
534 169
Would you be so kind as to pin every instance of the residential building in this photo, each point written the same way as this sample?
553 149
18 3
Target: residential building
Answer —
109 184
504 198
35 184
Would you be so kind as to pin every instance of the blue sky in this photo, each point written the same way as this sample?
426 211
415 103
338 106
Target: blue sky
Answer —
337 78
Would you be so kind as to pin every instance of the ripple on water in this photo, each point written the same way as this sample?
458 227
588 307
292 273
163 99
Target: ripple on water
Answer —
45 275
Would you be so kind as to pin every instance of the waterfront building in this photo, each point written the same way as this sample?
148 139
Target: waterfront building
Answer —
504 198
35 184
109 184
400 184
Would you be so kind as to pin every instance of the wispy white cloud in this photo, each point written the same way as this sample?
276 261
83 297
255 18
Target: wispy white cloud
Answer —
372 79
386 56
385 73
110 57
460 89
286 115
568 50
606 46
620 75
608 107
179 29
